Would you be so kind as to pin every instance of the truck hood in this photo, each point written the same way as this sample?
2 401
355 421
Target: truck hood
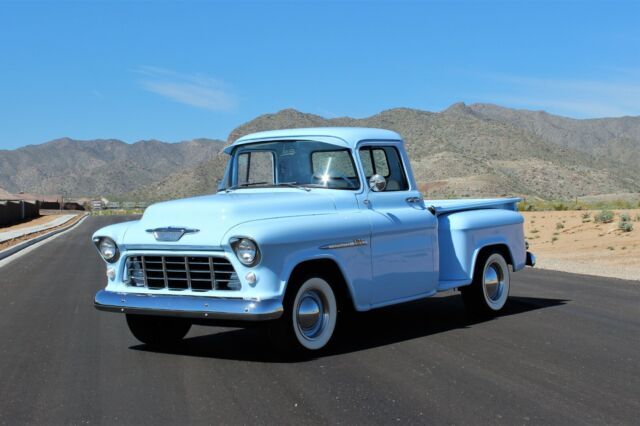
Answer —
213 215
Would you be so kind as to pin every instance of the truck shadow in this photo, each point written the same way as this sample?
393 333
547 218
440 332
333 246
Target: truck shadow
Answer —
357 332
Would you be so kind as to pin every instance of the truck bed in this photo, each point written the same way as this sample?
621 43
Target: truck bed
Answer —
467 226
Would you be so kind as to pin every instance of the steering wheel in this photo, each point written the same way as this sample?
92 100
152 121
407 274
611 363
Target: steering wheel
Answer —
337 175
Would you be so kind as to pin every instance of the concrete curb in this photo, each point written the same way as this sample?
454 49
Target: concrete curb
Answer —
28 231
23 245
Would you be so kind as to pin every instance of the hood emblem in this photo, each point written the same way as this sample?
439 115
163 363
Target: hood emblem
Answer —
170 233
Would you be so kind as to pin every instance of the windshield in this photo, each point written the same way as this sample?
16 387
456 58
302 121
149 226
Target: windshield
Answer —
307 164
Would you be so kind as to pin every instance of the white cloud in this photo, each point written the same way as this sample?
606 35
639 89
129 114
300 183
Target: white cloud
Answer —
195 90
616 95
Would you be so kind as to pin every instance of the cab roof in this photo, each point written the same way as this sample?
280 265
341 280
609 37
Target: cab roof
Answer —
344 136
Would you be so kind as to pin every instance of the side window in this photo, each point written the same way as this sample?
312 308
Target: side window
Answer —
255 167
367 163
381 162
384 161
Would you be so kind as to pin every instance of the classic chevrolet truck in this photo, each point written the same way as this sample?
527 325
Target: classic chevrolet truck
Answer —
307 224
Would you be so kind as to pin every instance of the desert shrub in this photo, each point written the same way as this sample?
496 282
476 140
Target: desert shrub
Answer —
560 206
624 217
638 217
586 215
605 216
610 248
554 239
559 225
534 231
625 226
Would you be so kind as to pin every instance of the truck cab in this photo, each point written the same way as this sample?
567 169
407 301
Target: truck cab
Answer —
306 224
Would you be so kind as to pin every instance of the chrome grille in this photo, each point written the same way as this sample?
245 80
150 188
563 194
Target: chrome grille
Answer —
197 273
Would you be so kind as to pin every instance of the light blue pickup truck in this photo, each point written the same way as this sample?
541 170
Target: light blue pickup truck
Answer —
307 224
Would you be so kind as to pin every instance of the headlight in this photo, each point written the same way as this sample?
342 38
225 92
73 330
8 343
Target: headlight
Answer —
108 249
246 250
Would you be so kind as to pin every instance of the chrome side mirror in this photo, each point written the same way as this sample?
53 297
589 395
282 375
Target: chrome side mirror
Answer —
377 183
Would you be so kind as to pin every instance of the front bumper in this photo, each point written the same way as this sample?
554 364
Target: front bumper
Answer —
188 306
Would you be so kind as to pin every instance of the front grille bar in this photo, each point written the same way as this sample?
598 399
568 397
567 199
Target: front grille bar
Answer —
196 273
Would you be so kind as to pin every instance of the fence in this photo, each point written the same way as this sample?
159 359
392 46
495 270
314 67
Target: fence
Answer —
15 211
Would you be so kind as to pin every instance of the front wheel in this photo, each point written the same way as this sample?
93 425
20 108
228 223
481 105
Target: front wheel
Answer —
489 291
310 316
158 331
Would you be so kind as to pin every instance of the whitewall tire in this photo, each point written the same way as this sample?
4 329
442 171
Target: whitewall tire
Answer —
488 293
309 319
315 312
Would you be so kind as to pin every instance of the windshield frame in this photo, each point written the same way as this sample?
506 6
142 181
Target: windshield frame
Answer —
230 179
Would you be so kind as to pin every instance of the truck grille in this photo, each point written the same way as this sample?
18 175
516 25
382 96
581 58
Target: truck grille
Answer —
197 273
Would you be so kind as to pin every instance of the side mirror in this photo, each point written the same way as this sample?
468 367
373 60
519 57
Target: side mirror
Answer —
377 183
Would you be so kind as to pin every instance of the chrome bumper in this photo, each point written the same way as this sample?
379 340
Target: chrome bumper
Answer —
188 306
531 259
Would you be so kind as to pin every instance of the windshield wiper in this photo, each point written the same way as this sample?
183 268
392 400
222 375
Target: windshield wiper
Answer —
244 185
268 185
292 185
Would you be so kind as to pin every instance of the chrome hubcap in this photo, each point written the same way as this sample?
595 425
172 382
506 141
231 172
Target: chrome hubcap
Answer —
311 314
493 281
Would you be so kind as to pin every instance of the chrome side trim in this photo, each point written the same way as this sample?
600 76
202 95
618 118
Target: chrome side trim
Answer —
346 244
188 306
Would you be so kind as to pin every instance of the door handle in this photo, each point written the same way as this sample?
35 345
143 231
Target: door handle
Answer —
413 199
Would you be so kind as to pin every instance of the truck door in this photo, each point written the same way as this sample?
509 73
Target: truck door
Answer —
403 231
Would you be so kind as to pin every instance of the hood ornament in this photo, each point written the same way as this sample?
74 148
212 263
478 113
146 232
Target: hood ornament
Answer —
170 233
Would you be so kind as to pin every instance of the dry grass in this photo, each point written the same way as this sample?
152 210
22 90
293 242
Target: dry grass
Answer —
583 245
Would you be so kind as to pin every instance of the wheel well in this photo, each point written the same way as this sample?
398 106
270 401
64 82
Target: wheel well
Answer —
329 269
503 249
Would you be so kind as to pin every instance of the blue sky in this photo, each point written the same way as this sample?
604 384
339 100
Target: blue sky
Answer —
177 70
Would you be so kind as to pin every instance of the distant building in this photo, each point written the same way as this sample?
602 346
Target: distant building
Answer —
96 205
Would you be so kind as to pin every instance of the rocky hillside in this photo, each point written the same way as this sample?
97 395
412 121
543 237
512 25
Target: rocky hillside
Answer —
98 167
463 151
199 180
5 194
616 139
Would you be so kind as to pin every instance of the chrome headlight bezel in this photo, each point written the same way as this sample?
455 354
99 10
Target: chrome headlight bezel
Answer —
103 244
242 247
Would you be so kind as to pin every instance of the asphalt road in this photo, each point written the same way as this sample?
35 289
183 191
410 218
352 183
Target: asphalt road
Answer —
567 351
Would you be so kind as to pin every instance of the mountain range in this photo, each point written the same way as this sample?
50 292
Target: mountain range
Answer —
465 150
98 167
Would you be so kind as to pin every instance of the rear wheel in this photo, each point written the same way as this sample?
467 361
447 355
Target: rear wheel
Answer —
489 291
158 331
309 319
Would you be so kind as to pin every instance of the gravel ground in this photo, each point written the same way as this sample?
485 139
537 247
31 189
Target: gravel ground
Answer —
571 241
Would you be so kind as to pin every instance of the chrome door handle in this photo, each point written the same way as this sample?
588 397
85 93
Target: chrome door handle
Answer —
413 199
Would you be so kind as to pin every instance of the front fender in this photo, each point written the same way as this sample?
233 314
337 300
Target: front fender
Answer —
116 231
286 242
